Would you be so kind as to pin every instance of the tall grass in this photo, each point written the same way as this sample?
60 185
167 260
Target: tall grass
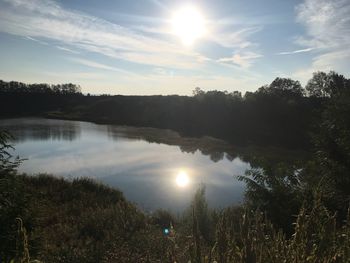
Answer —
84 221
244 236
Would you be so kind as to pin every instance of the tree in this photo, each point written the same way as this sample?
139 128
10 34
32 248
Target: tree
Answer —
324 85
284 86
22 88
236 95
198 92
332 143
317 85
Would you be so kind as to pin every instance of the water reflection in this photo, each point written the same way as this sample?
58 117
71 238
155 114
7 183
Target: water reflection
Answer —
142 162
182 179
41 129
206 145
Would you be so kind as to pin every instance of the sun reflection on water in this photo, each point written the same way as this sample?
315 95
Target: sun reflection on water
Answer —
182 179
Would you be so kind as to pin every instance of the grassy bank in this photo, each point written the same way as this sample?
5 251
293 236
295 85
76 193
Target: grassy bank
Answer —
84 221
75 221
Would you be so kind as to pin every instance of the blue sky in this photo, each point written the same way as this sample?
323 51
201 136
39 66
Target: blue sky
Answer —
128 47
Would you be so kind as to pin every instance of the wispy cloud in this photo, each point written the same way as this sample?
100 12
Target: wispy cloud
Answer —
159 4
93 64
36 40
48 20
72 76
235 38
244 59
296 51
327 25
245 52
227 37
67 49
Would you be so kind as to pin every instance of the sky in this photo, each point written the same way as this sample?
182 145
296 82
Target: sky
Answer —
131 47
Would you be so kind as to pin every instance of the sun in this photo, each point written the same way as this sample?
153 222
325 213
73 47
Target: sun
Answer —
182 179
188 24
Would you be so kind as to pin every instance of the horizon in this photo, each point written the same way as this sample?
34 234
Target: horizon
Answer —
156 47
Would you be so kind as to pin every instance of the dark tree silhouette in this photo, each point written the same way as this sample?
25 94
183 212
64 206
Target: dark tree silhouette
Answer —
283 87
326 84
278 114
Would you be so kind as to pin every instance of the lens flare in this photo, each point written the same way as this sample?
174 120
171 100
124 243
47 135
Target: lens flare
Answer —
166 231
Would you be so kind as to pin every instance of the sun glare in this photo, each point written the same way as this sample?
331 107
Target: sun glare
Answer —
188 24
182 179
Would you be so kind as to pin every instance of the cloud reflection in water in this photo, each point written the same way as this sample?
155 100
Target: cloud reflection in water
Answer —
131 159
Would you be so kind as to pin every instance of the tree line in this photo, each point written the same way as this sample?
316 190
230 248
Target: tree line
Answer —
282 113
42 88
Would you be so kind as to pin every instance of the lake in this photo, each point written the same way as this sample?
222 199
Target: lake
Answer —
153 168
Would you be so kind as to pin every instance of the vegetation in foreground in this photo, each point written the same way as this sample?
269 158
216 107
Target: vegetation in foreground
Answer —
84 221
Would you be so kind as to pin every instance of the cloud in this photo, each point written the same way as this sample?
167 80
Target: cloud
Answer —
245 51
327 23
70 76
36 40
220 33
93 64
335 60
244 60
67 49
327 26
163 72
75 32
46 19
296 51
235 39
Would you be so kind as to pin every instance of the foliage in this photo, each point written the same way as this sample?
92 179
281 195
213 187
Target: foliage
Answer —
83 221
8 164
254 239
327 84
201 214
12 199
163 219
283 87
277 190
278 114
332 144
19 87
78 221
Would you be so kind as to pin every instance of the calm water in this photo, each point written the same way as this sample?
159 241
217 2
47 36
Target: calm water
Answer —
144 163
